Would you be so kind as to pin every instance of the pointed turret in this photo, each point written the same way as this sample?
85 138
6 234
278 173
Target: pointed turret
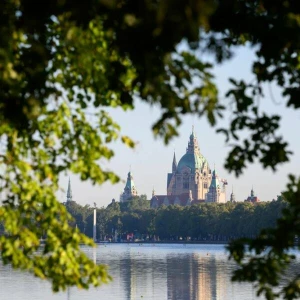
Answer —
232 196
130 189
193 146
153 192
129 183
69 192
214 180
216 193
212 195
174 164
252 192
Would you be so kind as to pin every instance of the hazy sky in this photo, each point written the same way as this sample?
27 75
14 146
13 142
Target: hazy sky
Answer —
152 160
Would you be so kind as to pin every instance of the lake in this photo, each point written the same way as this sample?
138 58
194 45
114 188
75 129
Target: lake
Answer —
146 271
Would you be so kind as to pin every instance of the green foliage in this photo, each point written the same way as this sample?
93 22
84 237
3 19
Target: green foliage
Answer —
60 258
265 259
137 203
62 63
264 141
80 215
204 222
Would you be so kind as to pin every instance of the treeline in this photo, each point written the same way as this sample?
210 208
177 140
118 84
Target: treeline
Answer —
135 220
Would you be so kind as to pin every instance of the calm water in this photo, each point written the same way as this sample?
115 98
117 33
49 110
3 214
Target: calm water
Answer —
177 272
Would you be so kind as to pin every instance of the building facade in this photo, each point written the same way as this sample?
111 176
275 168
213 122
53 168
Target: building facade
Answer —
192 180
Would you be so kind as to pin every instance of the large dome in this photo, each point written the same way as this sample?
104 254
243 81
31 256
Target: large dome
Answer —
192 161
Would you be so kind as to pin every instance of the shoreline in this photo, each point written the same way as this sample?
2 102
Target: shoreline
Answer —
169 242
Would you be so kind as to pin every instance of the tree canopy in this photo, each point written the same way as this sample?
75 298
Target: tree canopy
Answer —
202 222
62 62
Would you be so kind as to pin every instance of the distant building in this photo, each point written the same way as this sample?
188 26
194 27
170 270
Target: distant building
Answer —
69 192
184 199
252 198
69 196
216 191
232 197
130 190
192 180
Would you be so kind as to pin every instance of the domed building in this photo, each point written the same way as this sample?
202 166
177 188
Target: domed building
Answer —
192 180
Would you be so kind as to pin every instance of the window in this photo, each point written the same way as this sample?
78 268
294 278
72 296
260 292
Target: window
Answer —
205 185
186 184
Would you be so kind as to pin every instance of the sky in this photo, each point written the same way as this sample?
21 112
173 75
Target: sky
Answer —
151 160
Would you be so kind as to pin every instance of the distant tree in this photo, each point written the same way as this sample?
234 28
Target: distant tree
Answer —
80 215
130 222
205 221
102 223
280 197
114 208
136 203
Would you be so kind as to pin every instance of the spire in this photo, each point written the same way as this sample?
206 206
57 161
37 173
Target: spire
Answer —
174 164
214 173
193 146
69 192
232 196
214 187
153 192
130 183
252 192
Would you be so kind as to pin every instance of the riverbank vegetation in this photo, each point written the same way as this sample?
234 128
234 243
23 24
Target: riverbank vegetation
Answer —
135 220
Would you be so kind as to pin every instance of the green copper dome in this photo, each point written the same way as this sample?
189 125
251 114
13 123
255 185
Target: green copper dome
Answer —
191 160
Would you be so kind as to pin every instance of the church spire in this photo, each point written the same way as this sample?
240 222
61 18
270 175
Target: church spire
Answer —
69 192
252 192
232 196
174 164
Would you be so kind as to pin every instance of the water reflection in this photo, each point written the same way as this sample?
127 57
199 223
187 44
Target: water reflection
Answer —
174 272
197 276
